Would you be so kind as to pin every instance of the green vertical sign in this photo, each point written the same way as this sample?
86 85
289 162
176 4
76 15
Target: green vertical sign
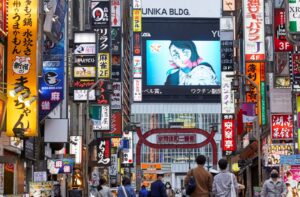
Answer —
263 102
294 16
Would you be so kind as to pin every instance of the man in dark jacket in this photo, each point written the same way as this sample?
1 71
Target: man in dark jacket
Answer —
158 187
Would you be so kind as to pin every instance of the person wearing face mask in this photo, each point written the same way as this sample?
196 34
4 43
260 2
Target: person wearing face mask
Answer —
274 186
169 190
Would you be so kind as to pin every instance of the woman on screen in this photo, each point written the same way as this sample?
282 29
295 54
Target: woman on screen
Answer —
188 67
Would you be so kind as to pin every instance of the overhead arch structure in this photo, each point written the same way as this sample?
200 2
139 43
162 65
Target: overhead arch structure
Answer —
143 140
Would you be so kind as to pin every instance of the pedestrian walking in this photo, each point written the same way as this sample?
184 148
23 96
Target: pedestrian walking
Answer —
225 183
170 192
125 190
104 190
143 192
274 186
202 177
158 187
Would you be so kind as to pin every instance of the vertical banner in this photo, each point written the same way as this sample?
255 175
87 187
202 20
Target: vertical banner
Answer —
296 69
22 80
137 89
76 148
103 65
116 96
137 20
228 134
137 67
281 44
226 55
116 125
227 96
115 13
253 71
103 152
281 127
293 7
254 30
113 169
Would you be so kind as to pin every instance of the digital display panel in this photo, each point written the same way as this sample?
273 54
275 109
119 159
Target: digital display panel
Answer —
181 60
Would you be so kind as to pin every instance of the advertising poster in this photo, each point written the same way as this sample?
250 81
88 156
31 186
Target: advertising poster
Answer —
275 151
294 26
254 30
40 189
103 152
291 177
22 69
85 72
51 87
280 42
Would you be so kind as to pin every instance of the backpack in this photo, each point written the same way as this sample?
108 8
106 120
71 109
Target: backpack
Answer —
191 186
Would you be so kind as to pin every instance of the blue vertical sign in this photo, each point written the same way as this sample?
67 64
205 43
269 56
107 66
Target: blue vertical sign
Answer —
51 90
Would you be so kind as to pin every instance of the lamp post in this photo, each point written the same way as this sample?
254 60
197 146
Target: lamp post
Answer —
256 122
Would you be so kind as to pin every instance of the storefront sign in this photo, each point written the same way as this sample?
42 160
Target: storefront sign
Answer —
127 145
176 139
104 65
40 176
87 49
137 21
137 90
100 116
226 55
280 42
228 135
86 71
116 96
227 94
60 166
103 152
40 188
22 68
254 30
137 67
100 13
282 126
116 125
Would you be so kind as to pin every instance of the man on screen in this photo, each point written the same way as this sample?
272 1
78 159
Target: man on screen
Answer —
188 66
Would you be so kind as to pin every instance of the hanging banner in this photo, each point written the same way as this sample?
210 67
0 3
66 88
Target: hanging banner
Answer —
22 68
103 152
280 42
116 125
254 30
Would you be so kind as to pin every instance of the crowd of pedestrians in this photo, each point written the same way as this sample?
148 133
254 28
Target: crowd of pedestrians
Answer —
199 182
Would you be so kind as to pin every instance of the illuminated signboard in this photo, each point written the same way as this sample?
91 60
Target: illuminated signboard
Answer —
22 80
60 166
180 65
254 30
280 42
103 152
104 65
228 135
282 126
137 20
227 94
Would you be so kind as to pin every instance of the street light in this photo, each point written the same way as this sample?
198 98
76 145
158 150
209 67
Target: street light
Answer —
255 122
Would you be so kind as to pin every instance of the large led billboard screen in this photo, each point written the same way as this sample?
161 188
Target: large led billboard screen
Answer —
181 60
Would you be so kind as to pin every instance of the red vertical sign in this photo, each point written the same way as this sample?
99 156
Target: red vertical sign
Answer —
228 135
